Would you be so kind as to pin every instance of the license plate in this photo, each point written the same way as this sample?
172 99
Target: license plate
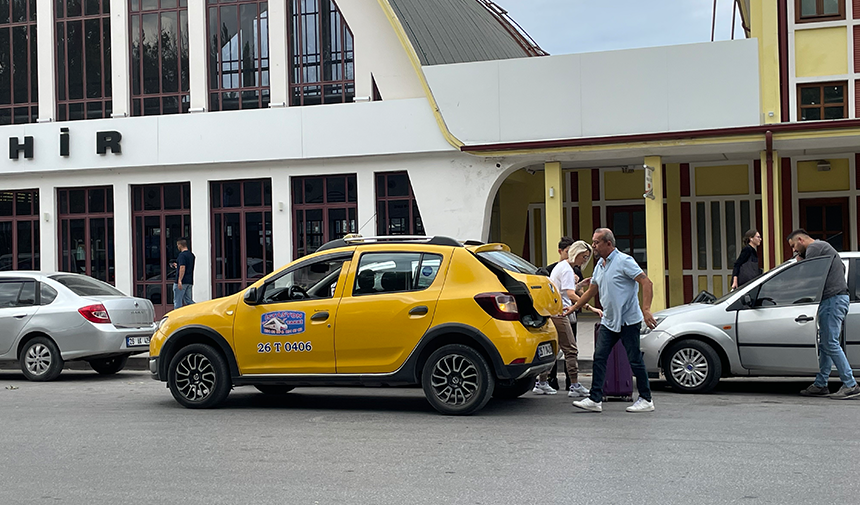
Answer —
136 341
544 350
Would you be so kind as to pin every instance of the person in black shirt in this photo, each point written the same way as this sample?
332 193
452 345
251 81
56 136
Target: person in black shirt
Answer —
184 275
746 267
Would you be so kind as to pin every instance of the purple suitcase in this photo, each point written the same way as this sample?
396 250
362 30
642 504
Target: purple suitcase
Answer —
619 375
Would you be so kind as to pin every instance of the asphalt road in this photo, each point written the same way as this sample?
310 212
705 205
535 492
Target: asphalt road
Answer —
86 439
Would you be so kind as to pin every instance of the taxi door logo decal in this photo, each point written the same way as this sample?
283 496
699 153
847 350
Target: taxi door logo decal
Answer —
282 322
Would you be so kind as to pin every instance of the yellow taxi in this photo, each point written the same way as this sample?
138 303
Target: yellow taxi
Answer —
466 322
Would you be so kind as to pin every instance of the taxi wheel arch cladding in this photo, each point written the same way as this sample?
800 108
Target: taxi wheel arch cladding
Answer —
40 359
195 335
457 380
692 366
198 377
109 366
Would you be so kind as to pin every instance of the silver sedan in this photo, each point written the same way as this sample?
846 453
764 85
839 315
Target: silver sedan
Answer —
47 319
766 327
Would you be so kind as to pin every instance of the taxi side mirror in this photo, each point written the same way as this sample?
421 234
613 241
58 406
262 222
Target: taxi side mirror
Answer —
252 296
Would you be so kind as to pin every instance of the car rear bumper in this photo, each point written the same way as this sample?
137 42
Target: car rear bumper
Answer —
94 340
536 367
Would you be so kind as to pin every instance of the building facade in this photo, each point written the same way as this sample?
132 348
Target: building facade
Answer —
259 130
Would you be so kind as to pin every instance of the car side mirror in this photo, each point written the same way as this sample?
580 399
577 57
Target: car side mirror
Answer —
252 296
746 300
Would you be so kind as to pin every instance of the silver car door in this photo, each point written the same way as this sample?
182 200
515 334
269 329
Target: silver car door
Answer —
779 332
17 306
852 320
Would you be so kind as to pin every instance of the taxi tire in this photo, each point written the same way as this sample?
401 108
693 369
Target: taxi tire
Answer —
273 389
467 365
513 388
109 366
699 351
46 349
217 370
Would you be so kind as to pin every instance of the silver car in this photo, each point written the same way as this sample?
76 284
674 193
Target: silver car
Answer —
766 327
47 319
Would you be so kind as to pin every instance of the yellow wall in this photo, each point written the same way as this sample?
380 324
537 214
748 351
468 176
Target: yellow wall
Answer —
764 26
810 179
655 250
821 51
517 192
722 180
621 186
554 205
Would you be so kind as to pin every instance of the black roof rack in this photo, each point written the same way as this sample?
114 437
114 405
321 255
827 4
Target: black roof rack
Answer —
390 239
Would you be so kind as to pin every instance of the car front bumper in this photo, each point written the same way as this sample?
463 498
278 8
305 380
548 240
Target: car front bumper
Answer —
652 345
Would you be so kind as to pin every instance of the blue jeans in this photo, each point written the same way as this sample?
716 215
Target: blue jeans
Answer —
606 340
181 297
831 314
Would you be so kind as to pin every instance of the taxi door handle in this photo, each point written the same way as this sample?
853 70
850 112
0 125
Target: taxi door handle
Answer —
419 311
804 319
320 316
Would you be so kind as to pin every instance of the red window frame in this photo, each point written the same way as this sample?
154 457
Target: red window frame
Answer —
23 214
67 250
18 100
383 220
93 103
819 15
821 106
156 98
300 208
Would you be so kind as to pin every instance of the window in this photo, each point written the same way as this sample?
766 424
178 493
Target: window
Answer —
19 230
317 279
86 232
799 284
18 70
396 210
322 55
238 54
508 261
241 234
806 11
159 56
395 272
86 286
822 101
17 293
48 294
83 59
324 209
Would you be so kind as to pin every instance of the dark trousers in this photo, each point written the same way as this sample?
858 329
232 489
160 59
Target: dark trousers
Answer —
606 340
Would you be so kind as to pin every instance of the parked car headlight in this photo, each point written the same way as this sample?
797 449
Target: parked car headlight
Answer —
644 329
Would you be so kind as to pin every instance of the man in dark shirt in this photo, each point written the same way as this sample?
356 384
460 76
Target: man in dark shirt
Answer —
184 275
831 314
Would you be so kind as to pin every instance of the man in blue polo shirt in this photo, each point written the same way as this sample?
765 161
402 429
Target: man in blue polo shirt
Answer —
617 278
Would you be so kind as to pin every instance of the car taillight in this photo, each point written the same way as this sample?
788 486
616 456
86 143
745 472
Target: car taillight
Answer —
499 305
95 313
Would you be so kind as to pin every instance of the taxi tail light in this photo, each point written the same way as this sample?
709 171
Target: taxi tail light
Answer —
95 313
499 305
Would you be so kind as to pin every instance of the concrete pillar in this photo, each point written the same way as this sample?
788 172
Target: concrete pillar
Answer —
201 239
554 207
366 212
586 213
279 83
122 237
48 235
282 219
676 247
197 61
46 62
119 59
655 233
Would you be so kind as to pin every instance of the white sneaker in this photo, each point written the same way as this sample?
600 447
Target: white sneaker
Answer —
641 405
588 404
578 391
542 388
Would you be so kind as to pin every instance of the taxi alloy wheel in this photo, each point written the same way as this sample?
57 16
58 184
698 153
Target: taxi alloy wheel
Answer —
198 377
692 366
457 380
40 360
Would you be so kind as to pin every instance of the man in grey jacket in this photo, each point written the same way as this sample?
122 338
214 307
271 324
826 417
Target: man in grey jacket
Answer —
831 314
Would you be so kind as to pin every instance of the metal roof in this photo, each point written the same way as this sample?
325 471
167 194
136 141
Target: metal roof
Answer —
459 31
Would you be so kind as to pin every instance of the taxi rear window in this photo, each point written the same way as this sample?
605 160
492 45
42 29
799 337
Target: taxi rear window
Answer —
508 261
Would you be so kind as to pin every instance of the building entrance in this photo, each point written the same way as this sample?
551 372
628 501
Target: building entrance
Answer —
161 215
628 225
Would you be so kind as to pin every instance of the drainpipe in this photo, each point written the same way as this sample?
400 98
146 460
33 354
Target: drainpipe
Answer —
771 207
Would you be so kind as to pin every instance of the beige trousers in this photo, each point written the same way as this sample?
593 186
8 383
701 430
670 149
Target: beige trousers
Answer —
567 343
